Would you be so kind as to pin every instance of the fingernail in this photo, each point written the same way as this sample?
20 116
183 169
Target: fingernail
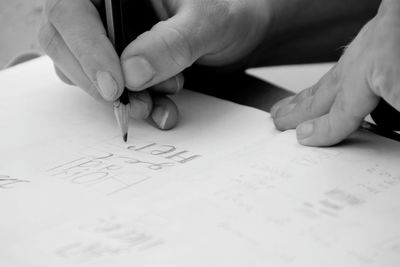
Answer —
305 130
137 71
285 110
107 86
160 117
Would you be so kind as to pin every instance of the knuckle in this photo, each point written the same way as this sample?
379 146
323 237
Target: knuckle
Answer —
217 10
217 16
178 46
307 93
307 106
314 89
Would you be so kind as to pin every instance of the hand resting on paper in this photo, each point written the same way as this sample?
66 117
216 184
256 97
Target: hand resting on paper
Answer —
328 112
210 32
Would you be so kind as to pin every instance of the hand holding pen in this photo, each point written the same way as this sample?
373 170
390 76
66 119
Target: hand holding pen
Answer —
75 37
221 33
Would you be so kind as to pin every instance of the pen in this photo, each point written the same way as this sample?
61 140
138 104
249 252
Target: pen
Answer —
125 20
115 29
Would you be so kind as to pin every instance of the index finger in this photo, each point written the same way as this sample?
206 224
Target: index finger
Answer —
80 25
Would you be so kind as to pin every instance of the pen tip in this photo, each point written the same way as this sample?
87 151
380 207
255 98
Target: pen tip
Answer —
125 137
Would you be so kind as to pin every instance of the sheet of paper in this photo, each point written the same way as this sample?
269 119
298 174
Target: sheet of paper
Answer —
223 189
56 141
276 204
294 78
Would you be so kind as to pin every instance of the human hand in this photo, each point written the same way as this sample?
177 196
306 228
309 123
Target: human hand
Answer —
212 32
328 112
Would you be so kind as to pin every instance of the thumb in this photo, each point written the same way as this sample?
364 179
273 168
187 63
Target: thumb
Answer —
164 51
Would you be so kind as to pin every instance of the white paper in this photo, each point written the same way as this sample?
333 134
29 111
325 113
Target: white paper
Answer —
276 204
294 78
246 195
57 142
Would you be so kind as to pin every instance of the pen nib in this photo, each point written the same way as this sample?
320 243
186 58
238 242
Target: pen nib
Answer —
121 113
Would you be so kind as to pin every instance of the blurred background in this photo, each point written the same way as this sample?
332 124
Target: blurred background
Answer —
19 23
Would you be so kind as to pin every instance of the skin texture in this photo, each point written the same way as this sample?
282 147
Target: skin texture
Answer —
331 110
207 31
220 33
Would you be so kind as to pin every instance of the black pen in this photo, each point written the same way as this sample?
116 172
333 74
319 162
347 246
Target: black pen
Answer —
125 20
115 29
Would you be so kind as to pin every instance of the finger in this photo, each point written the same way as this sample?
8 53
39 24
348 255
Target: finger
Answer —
80 26
141 105
165 112
283 106
309 104
171 86
62 76
279 104
164 51
345 116
55 47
